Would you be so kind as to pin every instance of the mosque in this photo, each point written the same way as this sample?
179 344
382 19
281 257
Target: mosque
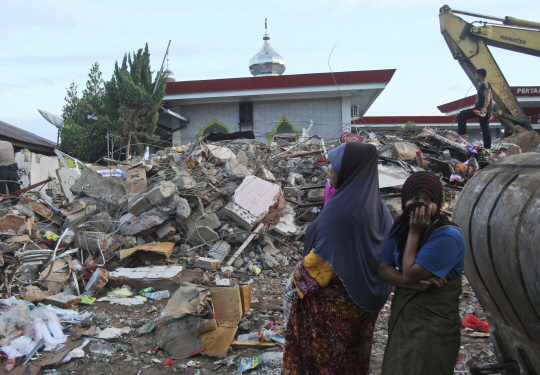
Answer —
277 106
271 104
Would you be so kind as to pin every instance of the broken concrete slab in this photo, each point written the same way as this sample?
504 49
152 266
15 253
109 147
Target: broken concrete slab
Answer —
399 150
182 209
235 169
219 155
63 300
252 201
220 250
208 264
12 224
43 211
133 225
155 196
97 281
166 229
102 222
201 235
94 185
265 174
79 217
157 277
207 220
242 158
93 241
528 141
184 181
391 176
286 225
66 176
268 261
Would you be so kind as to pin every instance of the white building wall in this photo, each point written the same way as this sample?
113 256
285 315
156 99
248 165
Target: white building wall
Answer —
326 114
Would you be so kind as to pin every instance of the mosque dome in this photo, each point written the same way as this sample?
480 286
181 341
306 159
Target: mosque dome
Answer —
169 74
267 62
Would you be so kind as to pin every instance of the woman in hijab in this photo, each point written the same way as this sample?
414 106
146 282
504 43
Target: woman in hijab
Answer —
429 252
332 317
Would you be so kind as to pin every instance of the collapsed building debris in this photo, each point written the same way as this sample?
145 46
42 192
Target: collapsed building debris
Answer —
219 226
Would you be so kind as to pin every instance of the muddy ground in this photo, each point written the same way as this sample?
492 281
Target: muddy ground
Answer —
267 291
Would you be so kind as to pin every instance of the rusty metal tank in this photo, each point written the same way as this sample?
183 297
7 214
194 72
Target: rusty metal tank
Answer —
499 214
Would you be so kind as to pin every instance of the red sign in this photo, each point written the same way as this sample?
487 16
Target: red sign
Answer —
350 137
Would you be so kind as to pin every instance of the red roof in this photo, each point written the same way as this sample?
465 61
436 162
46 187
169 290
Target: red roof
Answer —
285 81
405 119
518 91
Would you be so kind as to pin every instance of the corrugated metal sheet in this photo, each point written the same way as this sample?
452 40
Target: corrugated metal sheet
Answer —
24 139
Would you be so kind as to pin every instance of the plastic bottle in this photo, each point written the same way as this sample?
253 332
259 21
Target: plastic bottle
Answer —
99 348
158 295
146 290
6 340
257 336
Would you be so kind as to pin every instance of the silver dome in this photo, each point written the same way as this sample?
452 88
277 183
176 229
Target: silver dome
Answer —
267 62
169 74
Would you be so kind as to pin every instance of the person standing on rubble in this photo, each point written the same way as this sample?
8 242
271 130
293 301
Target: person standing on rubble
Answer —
8 169
482 110
428 250
338 292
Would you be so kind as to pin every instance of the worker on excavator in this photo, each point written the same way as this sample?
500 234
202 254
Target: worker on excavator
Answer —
482 110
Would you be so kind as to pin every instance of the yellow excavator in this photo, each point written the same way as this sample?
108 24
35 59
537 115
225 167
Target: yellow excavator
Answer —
469 43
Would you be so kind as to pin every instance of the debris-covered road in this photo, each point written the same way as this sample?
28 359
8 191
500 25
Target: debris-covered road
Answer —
173 258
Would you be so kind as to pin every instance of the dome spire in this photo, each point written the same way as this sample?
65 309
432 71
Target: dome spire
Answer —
169 74
267 62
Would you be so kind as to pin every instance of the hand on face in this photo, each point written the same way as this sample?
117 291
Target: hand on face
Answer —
421 216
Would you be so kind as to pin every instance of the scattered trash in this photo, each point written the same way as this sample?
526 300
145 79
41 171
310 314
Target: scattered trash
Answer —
471 321
246 364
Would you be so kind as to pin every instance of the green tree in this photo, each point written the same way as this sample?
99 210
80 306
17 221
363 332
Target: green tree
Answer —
131 107
81 136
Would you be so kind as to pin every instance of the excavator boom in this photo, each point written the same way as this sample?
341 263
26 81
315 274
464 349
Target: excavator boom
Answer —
469 46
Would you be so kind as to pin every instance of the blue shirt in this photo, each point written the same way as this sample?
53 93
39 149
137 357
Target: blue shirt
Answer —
443 254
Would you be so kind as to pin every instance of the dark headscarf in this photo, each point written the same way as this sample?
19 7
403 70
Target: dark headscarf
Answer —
416 183
352 228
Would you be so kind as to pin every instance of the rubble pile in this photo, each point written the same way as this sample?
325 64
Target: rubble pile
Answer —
198 241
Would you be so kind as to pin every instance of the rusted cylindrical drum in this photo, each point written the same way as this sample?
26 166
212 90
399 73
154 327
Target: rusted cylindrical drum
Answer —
499 212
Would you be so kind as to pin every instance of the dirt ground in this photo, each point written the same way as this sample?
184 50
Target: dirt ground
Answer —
266 297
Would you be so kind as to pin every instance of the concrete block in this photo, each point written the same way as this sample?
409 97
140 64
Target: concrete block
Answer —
92 241
268 261
102 222
242 158
235 169
136 224
63 300
155 197
286 225
265 174
208 264
220 250
201 235
219 155
184 181
41 210
400 150
315 195
528 141
94 185
80 217
206 220
168 228
182 209
252 201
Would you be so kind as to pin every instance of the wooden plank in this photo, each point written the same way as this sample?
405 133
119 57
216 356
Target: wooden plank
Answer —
252 344
244 245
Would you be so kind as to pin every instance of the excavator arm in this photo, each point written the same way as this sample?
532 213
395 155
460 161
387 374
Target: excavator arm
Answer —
469 45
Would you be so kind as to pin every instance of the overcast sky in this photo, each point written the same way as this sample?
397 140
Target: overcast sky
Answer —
46 45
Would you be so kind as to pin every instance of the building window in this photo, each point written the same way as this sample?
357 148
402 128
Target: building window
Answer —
214 127
284 130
